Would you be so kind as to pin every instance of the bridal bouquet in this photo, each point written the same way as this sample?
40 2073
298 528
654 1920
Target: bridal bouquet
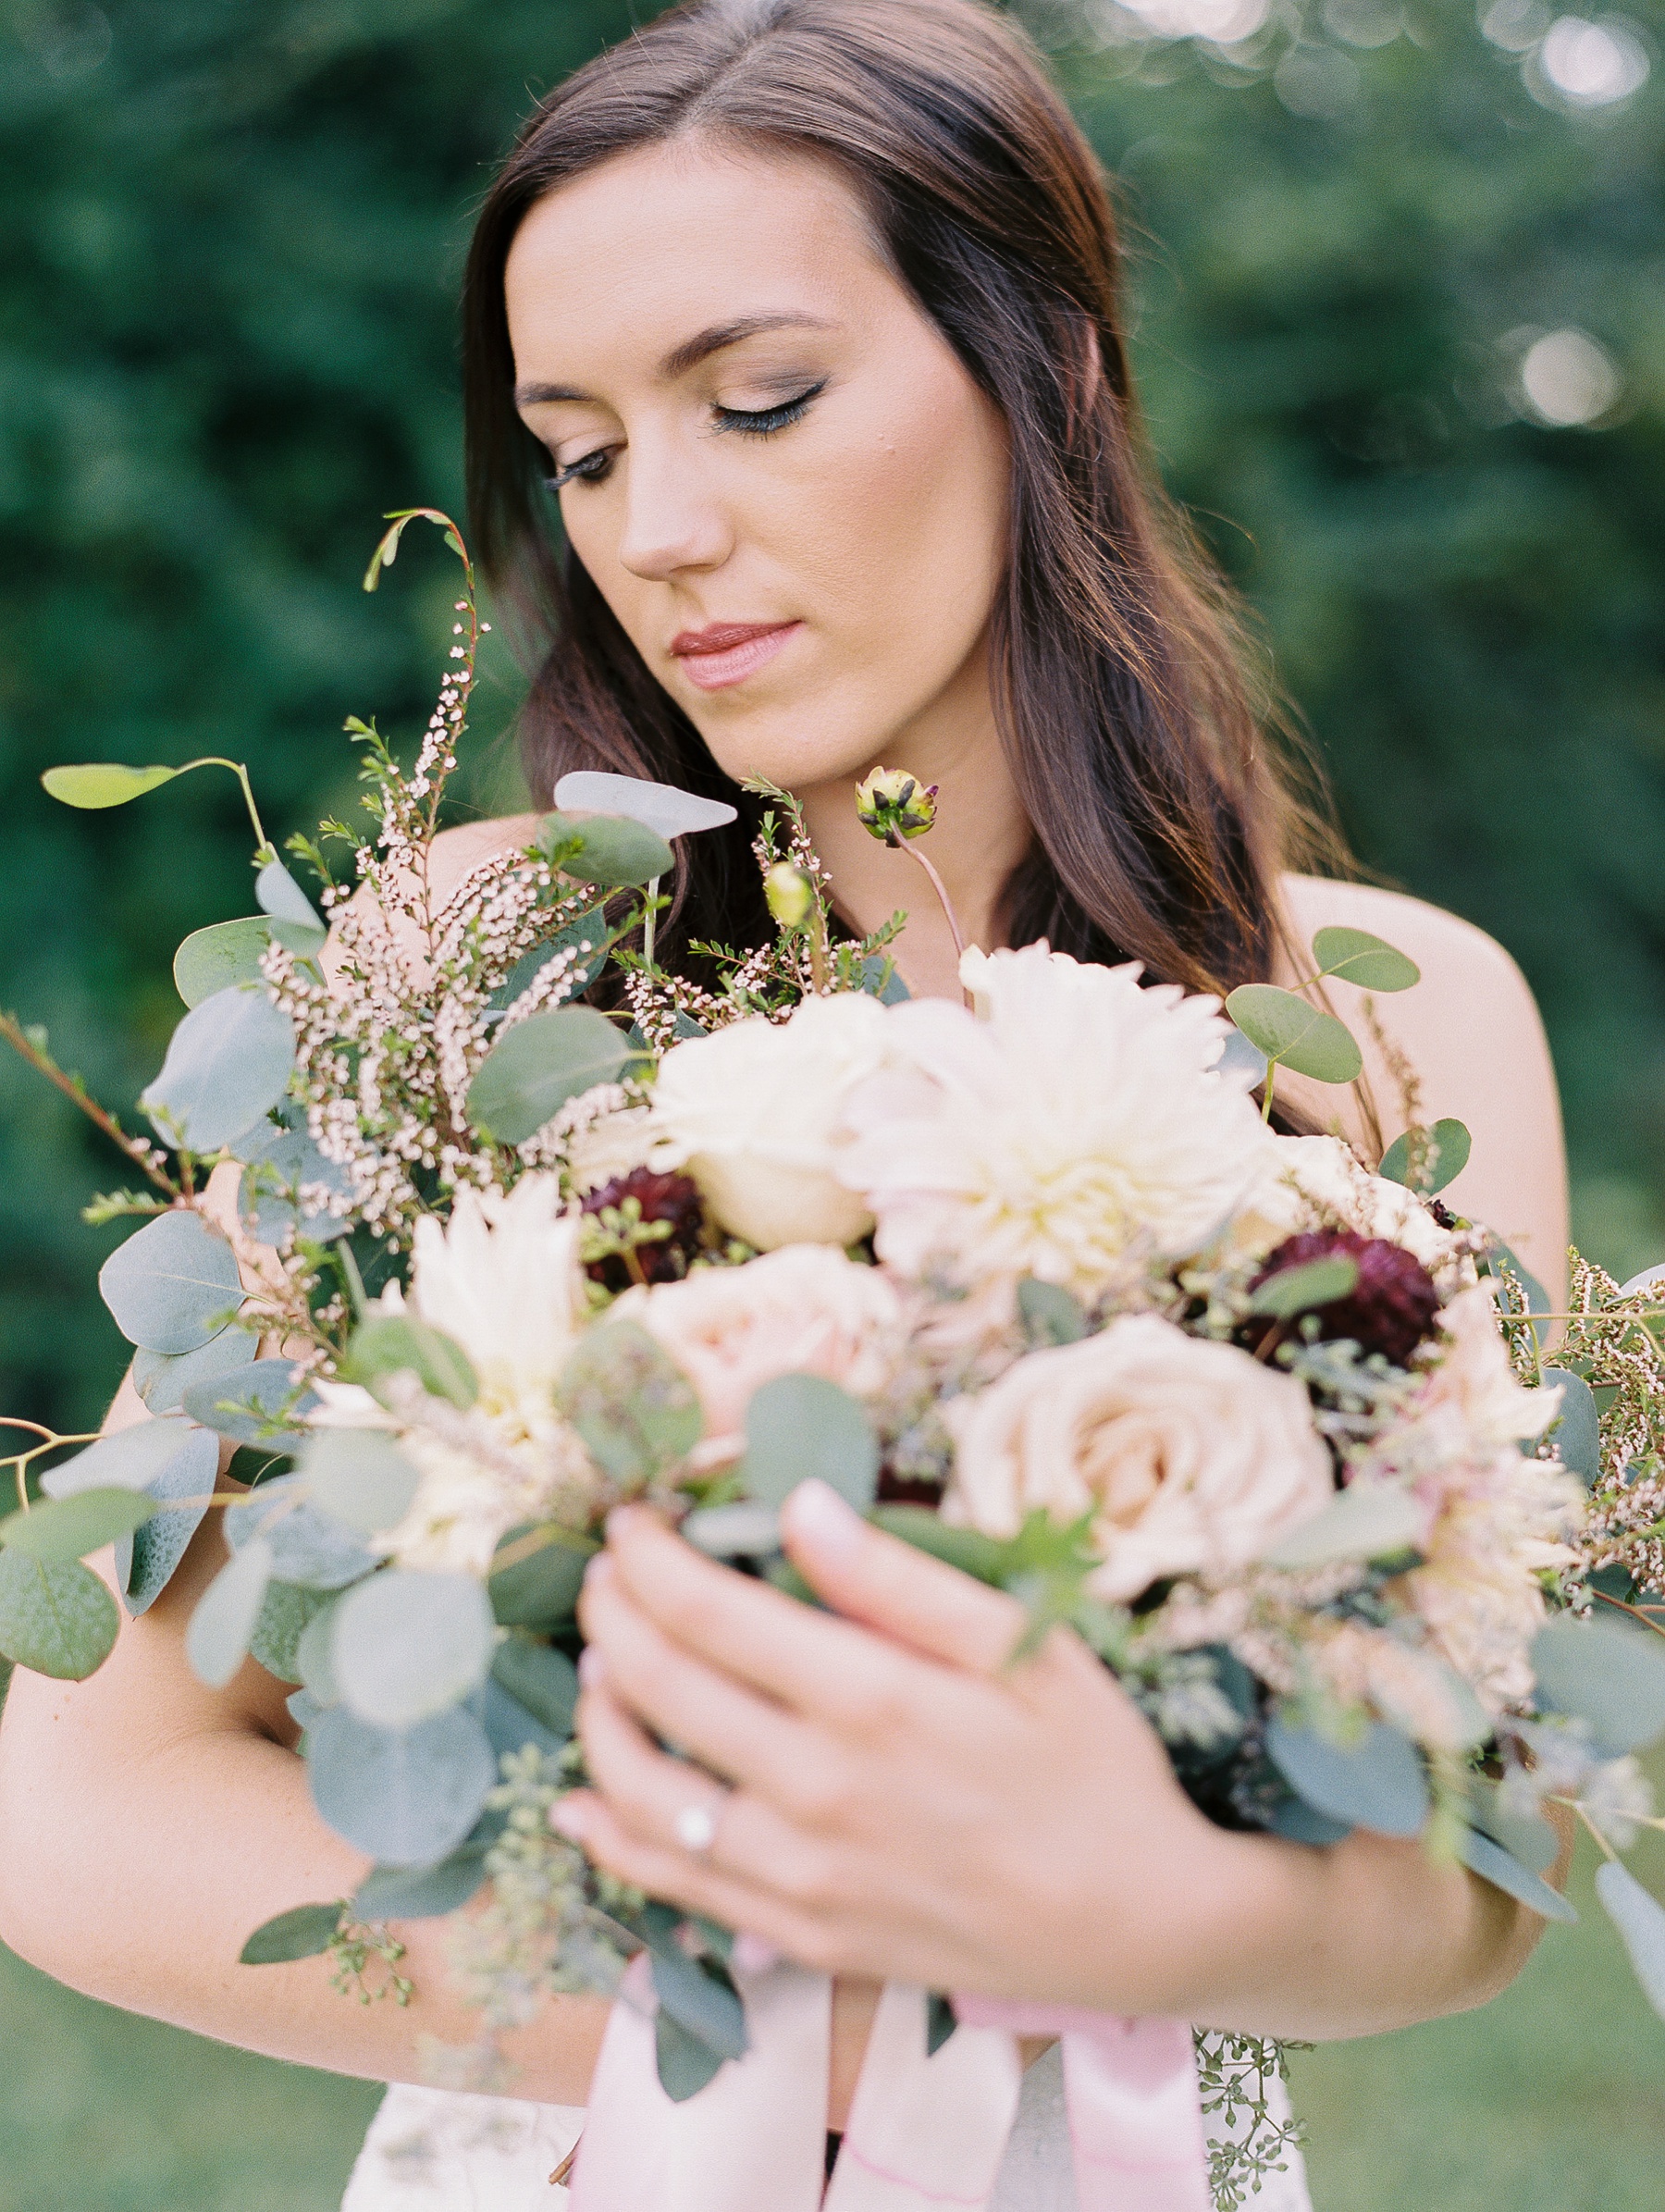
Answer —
1030 1281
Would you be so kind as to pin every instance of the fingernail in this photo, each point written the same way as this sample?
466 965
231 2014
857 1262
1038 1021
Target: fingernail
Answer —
567 1820
592 1667
816 1513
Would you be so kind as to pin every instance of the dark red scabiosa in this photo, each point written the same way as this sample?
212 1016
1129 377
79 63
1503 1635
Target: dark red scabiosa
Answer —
1391 1308
670 1198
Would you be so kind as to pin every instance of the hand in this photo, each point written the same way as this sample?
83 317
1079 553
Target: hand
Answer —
902 1804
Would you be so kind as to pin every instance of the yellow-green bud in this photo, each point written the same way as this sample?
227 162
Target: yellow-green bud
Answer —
894 805
790 894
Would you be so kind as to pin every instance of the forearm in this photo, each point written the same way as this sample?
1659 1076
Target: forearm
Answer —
1362 1937
142 1889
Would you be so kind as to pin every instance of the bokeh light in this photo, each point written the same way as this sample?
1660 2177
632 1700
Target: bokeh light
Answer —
1568 379
1218 22
1591 65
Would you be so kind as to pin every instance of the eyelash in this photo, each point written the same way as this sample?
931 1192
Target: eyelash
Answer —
761 421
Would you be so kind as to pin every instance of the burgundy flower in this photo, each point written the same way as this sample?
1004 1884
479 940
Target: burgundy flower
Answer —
672 1198
1391 1307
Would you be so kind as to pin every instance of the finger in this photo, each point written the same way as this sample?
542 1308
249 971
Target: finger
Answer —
647 1793
807 1660
885 1584
727 1726
695 1885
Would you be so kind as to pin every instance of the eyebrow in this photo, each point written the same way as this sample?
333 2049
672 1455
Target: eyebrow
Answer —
689 354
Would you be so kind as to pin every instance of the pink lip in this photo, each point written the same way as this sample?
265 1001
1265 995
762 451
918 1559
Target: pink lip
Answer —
727 652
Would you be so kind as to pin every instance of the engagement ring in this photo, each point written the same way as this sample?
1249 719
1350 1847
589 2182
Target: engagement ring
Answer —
696 1826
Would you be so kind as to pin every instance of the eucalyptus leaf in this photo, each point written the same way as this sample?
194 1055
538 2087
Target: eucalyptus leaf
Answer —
254 1404
57 1530
1524 1835
59 1620
1650 1278
1577 1432
686 2064
1050 1314
312 1653
220 958
701 1998
227 1063
97 784
632 1405
146 1560
280 1164
216 1640
659 807
171 1284
303 1709
530 1074
391 1344
403 1893
801 1428
130 1459
1297 1822
543 1680
609 851
1640 1920
940 2022
1298 1037
303 1932
406 1645
1611 1676
359 1476
406 1796
1501 1260
1447 1156
162 1379
738 1531
1299 1289
285 1612
1355 957
1367 1520
1375 1782
1504 1871
305 1546
540 1589
509 1726
280 895
983 1557
589 937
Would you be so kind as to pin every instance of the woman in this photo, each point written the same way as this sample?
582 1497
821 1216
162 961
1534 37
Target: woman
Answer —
807 311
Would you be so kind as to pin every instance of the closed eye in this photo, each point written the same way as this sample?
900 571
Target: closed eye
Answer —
750 421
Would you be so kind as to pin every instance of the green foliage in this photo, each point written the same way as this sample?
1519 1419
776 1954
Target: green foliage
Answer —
406 1645
1375 1781
55 1617
1368 1520
803 1429
227 1064
1294 1034
1500 1866
254 1405
545 1681
303 1545
630 1402
359 1476
219 1633
220 958
609 851
60 1530
1577 1431
536 1586
1608 1674
172 1285
1355 957
407 1796
1427 1160
95 784
304 1932
1050 1314
1298 1290
392 1344
1641 1922
528 1076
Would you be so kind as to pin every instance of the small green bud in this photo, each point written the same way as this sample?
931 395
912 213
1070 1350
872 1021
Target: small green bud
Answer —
790 894
894 805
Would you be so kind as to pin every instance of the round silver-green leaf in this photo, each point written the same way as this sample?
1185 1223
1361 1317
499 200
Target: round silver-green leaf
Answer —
1612 1678
529 1074
662 808
129 1459
227 1063
1355 957
258 1403
1446 1154
406 1645
58 1619
1375 1783
359 1476
173 1284
220 958
802 1427
216 1641
306 1546
162 1379
56 1530
406 1796
1298 1037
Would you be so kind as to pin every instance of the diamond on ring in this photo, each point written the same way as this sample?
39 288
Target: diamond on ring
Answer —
695 1828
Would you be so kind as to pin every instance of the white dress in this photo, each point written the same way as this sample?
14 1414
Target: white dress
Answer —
432 2150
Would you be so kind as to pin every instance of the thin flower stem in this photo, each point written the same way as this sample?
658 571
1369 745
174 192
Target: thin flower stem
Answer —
136 1149
941 889
1590 1824
651 922
18 1461
1635 1612
216 761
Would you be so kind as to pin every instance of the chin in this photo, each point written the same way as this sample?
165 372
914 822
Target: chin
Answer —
777 748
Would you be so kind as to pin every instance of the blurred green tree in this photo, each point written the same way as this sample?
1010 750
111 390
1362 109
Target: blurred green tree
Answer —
226 345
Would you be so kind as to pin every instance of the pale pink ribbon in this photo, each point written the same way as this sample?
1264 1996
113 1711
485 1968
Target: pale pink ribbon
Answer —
925 2134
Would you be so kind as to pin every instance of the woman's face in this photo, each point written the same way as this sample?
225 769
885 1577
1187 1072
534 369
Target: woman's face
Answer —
774 467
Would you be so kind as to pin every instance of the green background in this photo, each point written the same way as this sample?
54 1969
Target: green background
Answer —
233 232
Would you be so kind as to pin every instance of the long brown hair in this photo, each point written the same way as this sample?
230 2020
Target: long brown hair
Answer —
1122 685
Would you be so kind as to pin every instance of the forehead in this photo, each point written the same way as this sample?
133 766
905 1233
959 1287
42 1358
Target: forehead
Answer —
624 263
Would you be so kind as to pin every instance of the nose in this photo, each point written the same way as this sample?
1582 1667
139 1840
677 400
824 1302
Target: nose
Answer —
672 519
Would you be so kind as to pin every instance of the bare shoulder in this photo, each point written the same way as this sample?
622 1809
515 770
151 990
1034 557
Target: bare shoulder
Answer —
1472 1036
